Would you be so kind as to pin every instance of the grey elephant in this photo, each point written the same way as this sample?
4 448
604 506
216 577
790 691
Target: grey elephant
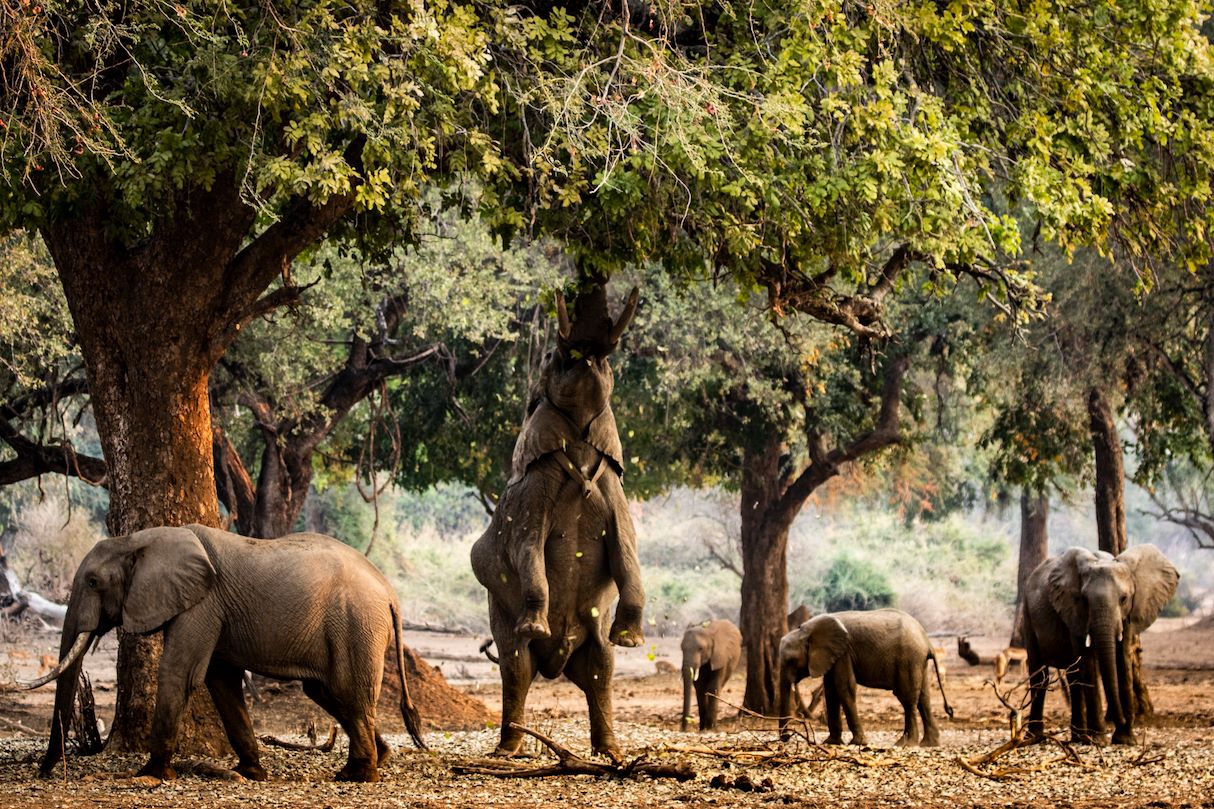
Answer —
1082 612
303 607
561 543
885 649
711 652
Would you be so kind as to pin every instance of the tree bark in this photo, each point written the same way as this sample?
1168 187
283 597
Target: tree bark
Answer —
1110 474
1034 548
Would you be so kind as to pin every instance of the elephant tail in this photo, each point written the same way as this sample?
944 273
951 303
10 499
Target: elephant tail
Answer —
413 721
948 709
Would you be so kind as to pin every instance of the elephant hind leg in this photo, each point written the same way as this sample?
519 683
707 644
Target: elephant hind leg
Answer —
591 667
910 731
517 667
359 725
931 731
225 683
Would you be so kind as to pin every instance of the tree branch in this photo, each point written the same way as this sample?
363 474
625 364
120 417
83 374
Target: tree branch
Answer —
232 480
824 465
270 254
34 460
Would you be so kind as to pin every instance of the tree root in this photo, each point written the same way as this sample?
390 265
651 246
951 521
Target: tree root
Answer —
569 763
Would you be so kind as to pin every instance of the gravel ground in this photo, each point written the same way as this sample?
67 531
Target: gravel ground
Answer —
1170 767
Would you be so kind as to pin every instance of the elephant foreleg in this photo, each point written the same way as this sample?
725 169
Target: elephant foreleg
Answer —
845 685
590 668
526 552
627 628
188 644
226 686
834 719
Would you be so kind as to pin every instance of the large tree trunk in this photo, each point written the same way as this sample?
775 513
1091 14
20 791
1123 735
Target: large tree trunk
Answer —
1110 474
764 576
145 319
1034 548
1110 524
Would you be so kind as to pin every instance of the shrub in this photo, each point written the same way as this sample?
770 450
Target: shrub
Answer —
852 584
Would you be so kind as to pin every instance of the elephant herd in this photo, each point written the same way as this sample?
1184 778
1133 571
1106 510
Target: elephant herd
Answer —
559 549
1083 612
885 649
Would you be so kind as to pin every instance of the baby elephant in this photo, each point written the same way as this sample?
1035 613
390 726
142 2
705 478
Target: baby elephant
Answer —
711 652
879 649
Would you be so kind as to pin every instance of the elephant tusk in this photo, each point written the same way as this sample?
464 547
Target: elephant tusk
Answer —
73 654
630 308
563 328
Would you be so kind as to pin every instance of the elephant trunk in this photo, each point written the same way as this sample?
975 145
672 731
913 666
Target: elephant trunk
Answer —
787 684
688 674
65 688
1105 650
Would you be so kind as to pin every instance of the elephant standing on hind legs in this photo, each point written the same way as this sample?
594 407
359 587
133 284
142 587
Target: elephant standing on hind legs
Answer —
303 607
561 543
885 649
711 652
1083 611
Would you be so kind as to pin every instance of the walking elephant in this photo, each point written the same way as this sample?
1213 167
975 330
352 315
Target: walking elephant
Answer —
303 607
1083 612
561 543
711 652
885 649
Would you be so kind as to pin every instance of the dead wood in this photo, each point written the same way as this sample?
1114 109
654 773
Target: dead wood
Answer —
324 747
569 763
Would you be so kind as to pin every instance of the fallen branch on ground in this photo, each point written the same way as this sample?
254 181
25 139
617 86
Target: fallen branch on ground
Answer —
778 757
1019 738
569 763
325 747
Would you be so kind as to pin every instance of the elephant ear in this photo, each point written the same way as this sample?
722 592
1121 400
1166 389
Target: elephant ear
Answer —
828 641
1064 586
171 572
721 644
1155 580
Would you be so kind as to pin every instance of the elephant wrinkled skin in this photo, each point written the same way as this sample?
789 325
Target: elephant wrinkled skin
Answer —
885 649
711 652
303 607
1083 612
561 543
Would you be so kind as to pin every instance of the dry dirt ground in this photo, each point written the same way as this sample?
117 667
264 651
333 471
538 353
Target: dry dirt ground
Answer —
1172 765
